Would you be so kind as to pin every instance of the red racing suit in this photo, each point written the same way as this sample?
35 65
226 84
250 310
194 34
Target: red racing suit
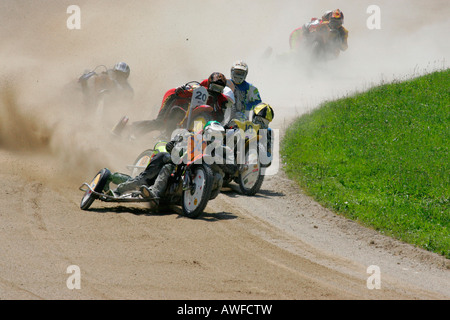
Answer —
183 98
297 36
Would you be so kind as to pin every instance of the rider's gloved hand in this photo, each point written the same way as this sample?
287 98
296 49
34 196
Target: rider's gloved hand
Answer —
169 146
180 89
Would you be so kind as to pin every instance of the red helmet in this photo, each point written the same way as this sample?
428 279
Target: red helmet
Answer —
216 82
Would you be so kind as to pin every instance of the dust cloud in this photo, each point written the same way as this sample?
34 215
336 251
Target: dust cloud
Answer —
168 43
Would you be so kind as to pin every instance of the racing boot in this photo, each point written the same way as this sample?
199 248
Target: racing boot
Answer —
148 193
159 187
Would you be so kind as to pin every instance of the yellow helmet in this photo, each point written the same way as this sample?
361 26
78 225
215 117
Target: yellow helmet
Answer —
336 19
263 114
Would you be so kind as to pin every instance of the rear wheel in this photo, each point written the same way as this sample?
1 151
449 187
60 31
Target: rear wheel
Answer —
141 162
120 126
195 199
97 184
250 179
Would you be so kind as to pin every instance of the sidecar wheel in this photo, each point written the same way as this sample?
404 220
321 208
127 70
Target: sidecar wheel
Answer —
141 162
97 184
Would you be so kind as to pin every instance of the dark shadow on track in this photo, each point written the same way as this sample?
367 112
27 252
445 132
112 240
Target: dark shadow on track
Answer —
163 211
233 191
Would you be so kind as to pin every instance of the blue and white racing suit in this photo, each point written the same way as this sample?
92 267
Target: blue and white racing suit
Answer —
246 98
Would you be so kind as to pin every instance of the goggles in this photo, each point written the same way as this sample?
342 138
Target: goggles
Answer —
214 87
239 72
238 75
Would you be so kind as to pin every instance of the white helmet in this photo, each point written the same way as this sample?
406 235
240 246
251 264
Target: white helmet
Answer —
213 129
326 16
239 71
122 68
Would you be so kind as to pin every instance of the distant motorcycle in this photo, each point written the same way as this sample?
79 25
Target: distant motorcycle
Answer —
320 41
101 92
191 114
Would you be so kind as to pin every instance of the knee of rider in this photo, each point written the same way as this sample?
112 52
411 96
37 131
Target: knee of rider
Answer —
167 168
166 157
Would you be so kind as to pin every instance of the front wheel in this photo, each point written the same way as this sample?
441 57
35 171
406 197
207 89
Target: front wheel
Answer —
317 51
250 179
195 198
97 184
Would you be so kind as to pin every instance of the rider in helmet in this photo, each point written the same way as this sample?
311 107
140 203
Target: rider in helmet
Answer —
335 23
181 96
113 82
119 76
262 115
246 95
333 18
122 70
152 182
159 165
215 84
212 130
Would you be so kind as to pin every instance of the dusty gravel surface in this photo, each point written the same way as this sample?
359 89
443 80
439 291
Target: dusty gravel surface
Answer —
279 244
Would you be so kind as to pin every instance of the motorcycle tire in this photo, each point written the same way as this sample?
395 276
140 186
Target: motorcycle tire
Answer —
142 161
120 126
251 179
194 200
97 184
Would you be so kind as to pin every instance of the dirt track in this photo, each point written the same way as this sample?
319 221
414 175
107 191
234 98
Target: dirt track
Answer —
277 245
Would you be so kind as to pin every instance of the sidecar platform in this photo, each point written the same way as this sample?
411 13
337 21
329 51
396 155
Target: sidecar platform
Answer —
135 196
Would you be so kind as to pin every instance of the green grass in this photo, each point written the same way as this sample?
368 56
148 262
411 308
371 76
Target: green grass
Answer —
381 158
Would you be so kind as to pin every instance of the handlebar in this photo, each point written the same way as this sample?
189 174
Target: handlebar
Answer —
189 84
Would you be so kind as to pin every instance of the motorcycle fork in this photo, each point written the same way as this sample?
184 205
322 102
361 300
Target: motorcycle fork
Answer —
187 180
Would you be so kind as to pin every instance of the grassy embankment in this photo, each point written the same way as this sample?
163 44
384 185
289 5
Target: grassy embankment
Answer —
381 158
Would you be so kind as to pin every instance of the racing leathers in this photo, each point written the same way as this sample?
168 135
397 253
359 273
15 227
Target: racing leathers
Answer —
337 34
156 175
246 97
154 179
173 109
108 85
